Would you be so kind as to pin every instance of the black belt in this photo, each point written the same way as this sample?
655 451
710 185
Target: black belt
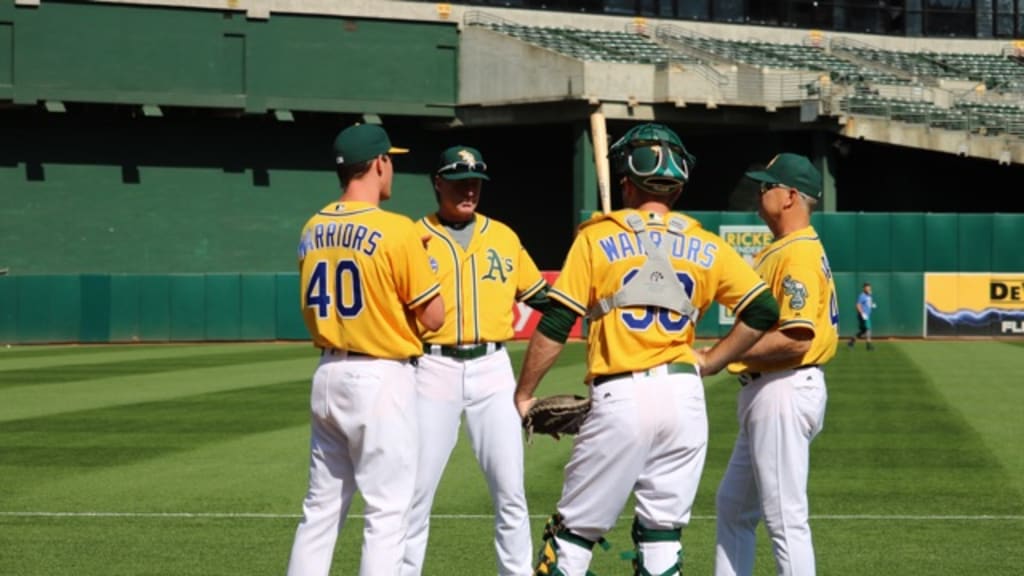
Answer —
674 368
348 353
748 377
466 352
354 354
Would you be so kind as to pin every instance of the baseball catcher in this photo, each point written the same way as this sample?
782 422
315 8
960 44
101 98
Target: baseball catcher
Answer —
641 275
556 415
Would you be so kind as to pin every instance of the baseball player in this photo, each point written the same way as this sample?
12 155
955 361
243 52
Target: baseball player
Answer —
364 275
781 405
865 304
642 275
484 270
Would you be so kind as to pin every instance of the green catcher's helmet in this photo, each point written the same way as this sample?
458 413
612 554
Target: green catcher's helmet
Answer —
653 157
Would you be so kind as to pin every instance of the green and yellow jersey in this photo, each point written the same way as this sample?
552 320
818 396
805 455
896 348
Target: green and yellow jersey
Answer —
481 284
797 270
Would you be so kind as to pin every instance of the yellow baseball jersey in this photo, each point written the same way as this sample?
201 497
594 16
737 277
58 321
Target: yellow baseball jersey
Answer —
607 253
797 270
363 270
481 284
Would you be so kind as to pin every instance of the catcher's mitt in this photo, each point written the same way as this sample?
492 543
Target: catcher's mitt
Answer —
556 415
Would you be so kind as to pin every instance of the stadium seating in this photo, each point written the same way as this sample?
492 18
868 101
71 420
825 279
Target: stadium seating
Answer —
975 117
854 78
995 70
591 45
993 119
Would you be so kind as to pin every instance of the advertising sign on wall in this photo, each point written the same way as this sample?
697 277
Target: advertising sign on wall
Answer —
982 304
748 241
525 319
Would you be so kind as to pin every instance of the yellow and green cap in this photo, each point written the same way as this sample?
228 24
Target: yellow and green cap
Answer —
362 142
793 171
461 163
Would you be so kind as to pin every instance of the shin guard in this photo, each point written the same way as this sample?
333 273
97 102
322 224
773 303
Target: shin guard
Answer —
644 537
554 533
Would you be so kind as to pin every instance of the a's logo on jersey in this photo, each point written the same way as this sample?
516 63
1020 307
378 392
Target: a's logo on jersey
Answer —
796 291
496 271
434 265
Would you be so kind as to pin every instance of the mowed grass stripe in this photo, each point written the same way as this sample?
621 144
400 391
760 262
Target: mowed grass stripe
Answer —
41 400
69 445
982 381
53 352
177 359
893 445
20 357
248 472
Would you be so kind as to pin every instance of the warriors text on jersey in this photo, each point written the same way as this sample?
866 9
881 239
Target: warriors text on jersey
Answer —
362 270
797 269
478 283
607 253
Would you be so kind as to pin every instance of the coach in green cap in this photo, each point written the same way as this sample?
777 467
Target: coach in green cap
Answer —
465 374
782 397
790 171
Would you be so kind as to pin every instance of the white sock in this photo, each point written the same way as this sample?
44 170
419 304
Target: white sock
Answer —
573 559
660 556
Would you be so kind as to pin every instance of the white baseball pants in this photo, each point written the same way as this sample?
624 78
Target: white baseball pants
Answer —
645 434
779 415
482 389
363 438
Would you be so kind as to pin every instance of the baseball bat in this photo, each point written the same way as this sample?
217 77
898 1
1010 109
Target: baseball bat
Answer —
599 139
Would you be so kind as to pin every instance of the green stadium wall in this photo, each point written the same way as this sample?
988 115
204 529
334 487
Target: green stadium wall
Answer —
891 251
90 52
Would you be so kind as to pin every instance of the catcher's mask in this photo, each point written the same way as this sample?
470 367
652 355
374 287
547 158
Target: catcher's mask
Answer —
653 158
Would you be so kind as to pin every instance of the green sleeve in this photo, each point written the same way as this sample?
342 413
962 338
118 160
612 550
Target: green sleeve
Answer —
557 321
540 301
762 313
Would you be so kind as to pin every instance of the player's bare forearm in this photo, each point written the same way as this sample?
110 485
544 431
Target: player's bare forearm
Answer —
778 346
431 314
541 354
735 343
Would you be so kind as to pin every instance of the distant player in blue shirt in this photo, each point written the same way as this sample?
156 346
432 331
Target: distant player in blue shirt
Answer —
865 304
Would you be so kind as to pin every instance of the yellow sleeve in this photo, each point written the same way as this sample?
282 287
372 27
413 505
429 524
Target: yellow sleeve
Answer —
799 298
415 280
530 280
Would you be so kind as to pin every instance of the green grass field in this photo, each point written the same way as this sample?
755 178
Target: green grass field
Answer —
191 460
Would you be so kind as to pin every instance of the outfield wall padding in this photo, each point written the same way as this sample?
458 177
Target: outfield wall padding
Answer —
891 251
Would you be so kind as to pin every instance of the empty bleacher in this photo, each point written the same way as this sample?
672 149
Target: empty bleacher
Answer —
589 45
845 60
993 119
974 117
778 55
997 71
916 89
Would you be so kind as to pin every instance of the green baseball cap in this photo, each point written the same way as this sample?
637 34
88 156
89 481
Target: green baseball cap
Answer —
362 142
792 170
461 163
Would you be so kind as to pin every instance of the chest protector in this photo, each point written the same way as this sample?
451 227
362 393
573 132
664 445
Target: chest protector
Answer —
655 284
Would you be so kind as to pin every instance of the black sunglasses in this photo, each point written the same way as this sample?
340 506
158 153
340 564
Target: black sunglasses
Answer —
766 186
463 166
